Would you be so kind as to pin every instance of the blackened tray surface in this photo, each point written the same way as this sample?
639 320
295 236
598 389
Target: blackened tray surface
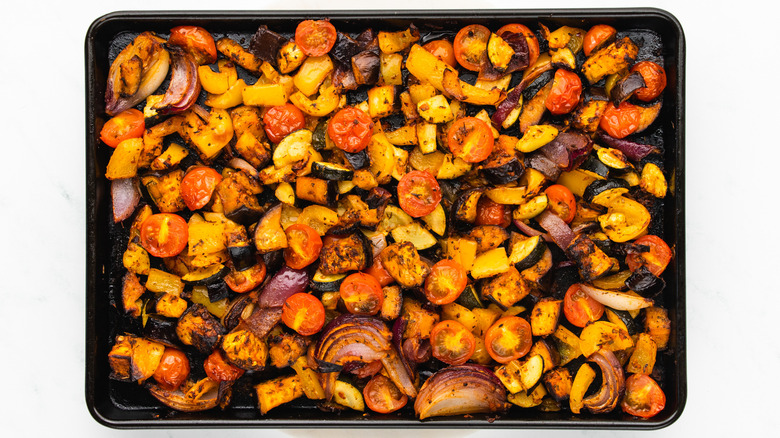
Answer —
124 405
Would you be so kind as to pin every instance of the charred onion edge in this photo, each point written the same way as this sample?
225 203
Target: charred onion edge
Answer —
613 383
184 88
616 300
459 390
151 79
560 232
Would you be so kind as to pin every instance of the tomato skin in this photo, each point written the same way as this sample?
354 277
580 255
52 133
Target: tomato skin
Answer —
620 121
580 308
565 93
303 313
530 38
562 202
351 129
303 246
452 342
164 234
597 35
470 139
508 339
492 213
219 370
248 279
643 397
362 294
173 370
418 193
281 120
315 37
378 271
382 396
125 125
655 80
470 46
656 260
197 41
443 50
446 282
198 186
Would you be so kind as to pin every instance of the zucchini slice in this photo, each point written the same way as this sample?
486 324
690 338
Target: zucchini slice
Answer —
414 233
331 172
317 190
594 167
470 299
601 191
525 252
326 282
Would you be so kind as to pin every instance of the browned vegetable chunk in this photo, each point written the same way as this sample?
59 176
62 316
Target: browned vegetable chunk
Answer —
544 317
165 190
506 289
488 237
286 348
134 359
591 261
658 326
199 328
403 263
245 350
132 289
611 59
237 193
340 256
234 51
558 383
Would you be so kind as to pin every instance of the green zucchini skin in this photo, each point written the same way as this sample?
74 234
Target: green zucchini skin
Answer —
601 185
161 329
331 172
592 165
319 136
470 299
533 256
243 257
326 283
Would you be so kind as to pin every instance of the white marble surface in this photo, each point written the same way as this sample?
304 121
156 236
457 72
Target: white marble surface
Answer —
732 210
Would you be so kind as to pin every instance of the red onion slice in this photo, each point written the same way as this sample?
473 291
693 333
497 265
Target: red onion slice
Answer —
460 390
125 195
286 282
616 300
613 383
559 230
531 232
151 78
242 164
633 150
184 88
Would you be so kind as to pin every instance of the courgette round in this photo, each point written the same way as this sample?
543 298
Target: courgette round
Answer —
601 190
206 276
594 167
529 252
331 172
326 283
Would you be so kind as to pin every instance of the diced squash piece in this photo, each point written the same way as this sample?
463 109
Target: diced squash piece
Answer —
390 68
124 160
278 391
403 263
435 109
505 289
456 312
170 305
613 58
164 282
558 383
642 359
290 57
381 155
461 250
392 42
603 334
245 350
549 353
544 316
318 217
488 237
658 326
426 137
392 303
420 320
485 318
381 101
134 359
453 167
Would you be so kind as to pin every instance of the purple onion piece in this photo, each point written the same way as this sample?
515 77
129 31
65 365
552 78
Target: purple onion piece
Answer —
125 195
559 230
507 105
543 164
286 282
633 150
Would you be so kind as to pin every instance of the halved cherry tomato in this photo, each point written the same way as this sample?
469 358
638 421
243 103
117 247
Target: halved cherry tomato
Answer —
351 129
443 50
127 124
565 93
367 370
452 342
197 41
655 80
418 193
219 370
173 370
248 279
303 313
198 185
580 308
362 294
561 201
471 46
492 213
656 259
508 339
597 35
470 139
446 282
530 38
315 37
379 272
643 397
382 396
164 234
303 246
282 120
620 121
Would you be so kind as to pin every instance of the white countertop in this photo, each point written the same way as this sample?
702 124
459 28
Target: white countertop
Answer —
732 212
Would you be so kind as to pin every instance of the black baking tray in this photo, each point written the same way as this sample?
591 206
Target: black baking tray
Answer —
124 405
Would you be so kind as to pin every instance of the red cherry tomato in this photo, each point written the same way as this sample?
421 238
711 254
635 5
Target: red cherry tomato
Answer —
452 342
580 308
418 193
655 80
173 370
379 272
248 279
315 37
219 370
656 259
382 396
282 120
620 121
443 50
565 93
530 38
643 397
303 313
303 246
362 294
127 124
350 129
492 213
446 282
596 36
470 139
471 46
197 41
508 339
164 234
561 201
198 186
